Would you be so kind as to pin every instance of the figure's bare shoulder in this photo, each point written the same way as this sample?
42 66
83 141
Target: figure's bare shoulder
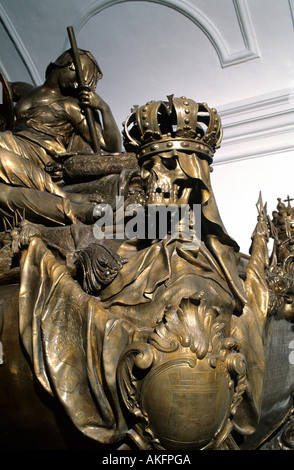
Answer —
37 97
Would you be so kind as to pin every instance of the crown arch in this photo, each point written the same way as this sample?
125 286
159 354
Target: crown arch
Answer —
195 15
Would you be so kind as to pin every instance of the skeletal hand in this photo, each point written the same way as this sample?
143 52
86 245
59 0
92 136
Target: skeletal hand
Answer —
21 236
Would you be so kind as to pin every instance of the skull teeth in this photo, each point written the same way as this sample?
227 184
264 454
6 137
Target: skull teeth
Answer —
163 193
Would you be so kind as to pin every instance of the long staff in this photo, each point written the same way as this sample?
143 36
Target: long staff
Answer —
81 82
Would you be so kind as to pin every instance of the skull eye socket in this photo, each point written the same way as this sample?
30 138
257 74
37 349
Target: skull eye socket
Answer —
147 165
169 163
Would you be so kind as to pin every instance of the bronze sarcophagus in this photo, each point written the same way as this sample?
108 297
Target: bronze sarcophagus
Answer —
130 319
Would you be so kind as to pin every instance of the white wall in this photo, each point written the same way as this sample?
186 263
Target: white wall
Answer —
237 186
236 55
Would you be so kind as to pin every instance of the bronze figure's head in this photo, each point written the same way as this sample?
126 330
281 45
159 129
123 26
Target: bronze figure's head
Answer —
64 64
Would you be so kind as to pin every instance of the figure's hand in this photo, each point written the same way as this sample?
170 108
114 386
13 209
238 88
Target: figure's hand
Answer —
54 168
22 236
91 99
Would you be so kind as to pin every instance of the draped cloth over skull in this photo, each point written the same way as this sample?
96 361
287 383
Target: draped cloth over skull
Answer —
76 340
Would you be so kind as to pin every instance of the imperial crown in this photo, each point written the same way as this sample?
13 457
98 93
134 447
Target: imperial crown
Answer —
179 123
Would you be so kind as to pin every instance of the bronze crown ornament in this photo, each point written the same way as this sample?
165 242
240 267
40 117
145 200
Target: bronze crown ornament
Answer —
177 124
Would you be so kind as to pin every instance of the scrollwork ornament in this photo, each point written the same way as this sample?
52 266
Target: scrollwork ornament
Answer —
186 382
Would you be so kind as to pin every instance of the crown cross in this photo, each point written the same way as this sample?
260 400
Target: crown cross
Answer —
288 199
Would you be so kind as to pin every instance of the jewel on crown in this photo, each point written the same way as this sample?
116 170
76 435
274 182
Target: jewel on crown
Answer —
177 124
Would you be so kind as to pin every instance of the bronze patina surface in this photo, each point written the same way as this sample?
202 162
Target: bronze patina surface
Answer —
119 337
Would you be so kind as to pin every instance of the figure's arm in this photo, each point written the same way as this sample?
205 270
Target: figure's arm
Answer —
108 133
111 138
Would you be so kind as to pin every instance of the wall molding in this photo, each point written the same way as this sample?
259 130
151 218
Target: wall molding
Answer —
227 58
291 5
5 72
261 126
20 47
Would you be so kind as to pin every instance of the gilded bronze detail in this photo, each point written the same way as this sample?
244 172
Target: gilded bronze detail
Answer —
194 375
135 338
